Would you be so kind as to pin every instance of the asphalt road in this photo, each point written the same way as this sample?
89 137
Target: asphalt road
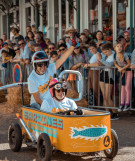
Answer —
125 128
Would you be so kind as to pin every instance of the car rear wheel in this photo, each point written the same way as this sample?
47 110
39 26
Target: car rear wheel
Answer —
15 137
44 148
112 152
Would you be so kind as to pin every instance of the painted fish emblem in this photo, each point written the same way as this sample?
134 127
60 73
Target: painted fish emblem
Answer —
89 133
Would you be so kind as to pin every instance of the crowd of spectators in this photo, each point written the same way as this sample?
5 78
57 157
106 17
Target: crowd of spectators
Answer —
93 50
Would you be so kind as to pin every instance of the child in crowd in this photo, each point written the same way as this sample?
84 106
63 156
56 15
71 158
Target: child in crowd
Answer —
53 58
122 63
107 77
5 58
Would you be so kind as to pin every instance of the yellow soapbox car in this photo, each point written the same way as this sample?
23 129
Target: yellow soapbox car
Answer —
87 133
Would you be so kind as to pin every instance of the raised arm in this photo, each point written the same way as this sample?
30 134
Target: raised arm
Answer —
64 57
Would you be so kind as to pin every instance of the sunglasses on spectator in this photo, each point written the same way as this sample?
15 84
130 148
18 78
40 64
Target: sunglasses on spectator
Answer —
43 64
21 44
46 51
51 48
61 49
16 49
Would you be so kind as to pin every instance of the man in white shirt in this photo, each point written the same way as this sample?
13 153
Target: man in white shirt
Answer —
42 74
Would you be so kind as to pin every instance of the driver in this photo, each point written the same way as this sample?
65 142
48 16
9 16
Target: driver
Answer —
58 102
42 74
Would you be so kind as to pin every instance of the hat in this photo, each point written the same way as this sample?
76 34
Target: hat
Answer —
4 43
128 31
102 43
71 28
119 38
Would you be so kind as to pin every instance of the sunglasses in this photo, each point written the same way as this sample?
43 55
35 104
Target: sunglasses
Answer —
43 64
16 49
61 49
21 44
51 48
46 51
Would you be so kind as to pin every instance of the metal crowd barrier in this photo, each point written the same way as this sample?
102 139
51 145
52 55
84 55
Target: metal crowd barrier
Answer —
92 85
7 73
96 97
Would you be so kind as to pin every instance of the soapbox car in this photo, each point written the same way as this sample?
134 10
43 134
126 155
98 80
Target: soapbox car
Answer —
87 133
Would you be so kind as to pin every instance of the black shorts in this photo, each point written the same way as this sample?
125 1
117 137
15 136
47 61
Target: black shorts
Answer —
104 77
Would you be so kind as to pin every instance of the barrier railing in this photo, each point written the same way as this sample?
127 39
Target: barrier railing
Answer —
8 73
101 90
104 87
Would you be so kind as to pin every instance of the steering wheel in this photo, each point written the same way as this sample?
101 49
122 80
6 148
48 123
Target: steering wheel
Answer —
77 112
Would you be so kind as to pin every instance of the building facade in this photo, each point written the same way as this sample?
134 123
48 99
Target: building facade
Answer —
54 16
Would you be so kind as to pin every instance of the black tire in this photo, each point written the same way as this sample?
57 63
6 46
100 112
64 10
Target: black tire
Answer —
15 137
111 153
44 148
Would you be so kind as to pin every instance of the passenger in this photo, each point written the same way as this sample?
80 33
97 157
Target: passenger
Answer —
42 74
58 102
122 62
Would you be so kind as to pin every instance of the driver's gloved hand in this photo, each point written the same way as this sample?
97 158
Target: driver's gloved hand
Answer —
79 112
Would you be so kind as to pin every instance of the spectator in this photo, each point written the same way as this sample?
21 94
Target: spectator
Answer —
88 35
1 41
28 28
28 52
4 37
107 77
122 63
61 41
83 38
37 47
51 47
30 36
53 57
16 34
125 44
38 40
77 60
99 39
47 41
7 65
61 50
16 59
10 51
71 33
34 29
10 44
22 44
94 72
46 50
